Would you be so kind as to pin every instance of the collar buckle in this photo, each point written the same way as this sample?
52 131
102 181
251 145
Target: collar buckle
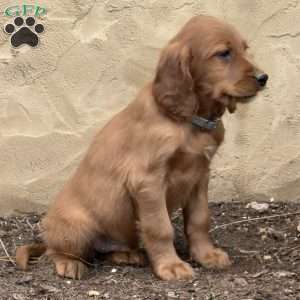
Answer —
204 123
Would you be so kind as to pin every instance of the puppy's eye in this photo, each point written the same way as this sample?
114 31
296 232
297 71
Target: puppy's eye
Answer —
224 55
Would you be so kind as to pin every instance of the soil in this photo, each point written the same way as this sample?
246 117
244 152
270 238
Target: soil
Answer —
265 254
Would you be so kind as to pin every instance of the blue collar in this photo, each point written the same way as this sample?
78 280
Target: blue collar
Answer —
204 123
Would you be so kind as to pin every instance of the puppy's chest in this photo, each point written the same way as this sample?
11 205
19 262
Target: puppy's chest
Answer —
187 167
190 163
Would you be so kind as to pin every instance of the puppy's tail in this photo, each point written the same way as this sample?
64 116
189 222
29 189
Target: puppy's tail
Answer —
24 253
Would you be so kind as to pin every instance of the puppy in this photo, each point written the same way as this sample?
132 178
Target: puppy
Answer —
153 158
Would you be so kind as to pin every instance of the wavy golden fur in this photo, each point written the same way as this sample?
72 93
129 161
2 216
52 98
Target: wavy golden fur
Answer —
149 160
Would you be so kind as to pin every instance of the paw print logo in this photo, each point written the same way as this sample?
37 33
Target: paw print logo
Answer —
24 32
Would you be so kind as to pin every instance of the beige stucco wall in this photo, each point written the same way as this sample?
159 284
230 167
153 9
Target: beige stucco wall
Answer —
93 58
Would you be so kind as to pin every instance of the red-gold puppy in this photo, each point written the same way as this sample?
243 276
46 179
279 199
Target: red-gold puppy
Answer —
153 158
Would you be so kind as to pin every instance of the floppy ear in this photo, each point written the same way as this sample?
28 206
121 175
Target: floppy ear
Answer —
173 87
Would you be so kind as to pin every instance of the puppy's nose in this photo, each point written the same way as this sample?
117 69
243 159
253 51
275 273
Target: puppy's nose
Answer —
262 79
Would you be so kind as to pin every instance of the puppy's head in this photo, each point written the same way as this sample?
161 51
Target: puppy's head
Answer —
207 62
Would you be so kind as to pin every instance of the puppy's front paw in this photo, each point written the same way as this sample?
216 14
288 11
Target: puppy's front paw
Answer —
70 268
174 271
212 258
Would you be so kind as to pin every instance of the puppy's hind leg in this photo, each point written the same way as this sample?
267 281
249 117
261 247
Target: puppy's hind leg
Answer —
69 245
69 266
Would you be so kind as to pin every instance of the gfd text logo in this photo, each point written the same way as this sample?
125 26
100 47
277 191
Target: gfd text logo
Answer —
25 10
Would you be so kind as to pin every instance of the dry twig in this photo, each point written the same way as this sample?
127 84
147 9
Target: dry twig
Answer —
255 219
6 252
29 224
77 257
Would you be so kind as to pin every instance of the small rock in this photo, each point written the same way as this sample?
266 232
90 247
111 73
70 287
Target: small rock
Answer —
276 234
262 230
172 295
263 233
267 257
210 297
284 274
33 292
24 280
48 288
288 292
298 227
18 297
106 296
274 205
93 293
2 233
68 282
240 281
260 207
266 294
114 270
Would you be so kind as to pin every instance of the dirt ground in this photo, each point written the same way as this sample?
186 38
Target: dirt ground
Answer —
265 252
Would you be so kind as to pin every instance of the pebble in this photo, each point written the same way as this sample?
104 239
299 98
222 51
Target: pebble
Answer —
267 257
18 297
49 288
93 293
260 207
276 234
274 205
240 281
172 295
298 227
24 280
288 292
114 270
282 274
2 233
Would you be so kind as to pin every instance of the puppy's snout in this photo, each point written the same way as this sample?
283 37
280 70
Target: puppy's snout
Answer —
262 79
